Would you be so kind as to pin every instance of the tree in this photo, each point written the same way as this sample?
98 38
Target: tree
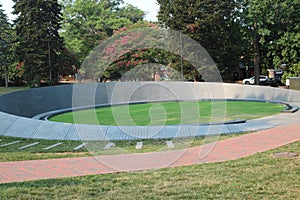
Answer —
88 22
211 23
141 51
274 28
4 43
38 43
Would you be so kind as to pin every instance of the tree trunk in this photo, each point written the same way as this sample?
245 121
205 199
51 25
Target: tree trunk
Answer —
256 55
6 76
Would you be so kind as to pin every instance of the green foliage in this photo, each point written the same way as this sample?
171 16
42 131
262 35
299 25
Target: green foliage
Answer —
293 71
5 45
211 23
87 22
277 30
38 40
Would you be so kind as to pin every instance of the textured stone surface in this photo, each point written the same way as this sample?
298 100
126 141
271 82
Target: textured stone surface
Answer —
29 103
285 155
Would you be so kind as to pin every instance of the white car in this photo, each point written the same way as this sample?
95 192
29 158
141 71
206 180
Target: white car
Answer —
251 81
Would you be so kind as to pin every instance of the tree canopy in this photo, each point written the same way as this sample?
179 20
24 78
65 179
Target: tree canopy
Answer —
50 38
233 30
211 23
88 22
273 26
5 43
39 45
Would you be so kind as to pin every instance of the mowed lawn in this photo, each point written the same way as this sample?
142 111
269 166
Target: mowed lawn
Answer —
256 177
170 113
4 90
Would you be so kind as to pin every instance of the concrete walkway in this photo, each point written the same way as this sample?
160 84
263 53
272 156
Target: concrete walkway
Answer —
229 149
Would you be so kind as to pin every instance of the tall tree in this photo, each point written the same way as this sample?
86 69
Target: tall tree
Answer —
209 22
274 28
88 22
39 43
4 44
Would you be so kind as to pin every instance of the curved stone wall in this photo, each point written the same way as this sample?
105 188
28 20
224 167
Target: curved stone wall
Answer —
17 108
32 102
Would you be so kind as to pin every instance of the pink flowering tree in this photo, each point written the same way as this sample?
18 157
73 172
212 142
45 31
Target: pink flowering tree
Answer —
151 49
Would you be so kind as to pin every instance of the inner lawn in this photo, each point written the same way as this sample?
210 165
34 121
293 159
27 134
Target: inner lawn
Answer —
170 113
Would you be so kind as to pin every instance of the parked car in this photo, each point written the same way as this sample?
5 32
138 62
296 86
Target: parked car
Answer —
251 81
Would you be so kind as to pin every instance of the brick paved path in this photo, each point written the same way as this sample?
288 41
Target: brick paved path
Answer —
229 149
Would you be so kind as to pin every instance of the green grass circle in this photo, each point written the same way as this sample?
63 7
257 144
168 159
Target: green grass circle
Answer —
170 113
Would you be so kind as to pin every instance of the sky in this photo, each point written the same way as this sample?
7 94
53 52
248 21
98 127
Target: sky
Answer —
150 7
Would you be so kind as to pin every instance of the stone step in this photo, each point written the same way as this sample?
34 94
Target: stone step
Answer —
80 146
52 146
139 145
170 144
8 144
29 145
109 145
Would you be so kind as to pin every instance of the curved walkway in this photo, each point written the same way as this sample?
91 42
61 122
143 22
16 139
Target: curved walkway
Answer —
225 150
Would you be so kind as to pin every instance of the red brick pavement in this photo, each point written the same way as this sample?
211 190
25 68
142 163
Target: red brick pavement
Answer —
229 149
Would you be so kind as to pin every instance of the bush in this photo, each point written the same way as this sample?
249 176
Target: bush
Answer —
293 71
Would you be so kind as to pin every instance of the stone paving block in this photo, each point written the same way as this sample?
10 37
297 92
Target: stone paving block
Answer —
6 122
80 146
72 133
193 130
137 132
216 129
256 125
109 145
139 145
52 130
201 130
159 132
115 133
236 128
176 131
153 131
23 127
52 146
8 144
29 145
90 132
170 144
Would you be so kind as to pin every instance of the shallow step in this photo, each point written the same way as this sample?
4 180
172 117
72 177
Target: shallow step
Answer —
52 146
170 144
29 145
8 144
109 145
80 146
139 145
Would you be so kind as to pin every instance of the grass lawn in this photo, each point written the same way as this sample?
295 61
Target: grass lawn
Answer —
256 177
4 90
170 113
37 152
